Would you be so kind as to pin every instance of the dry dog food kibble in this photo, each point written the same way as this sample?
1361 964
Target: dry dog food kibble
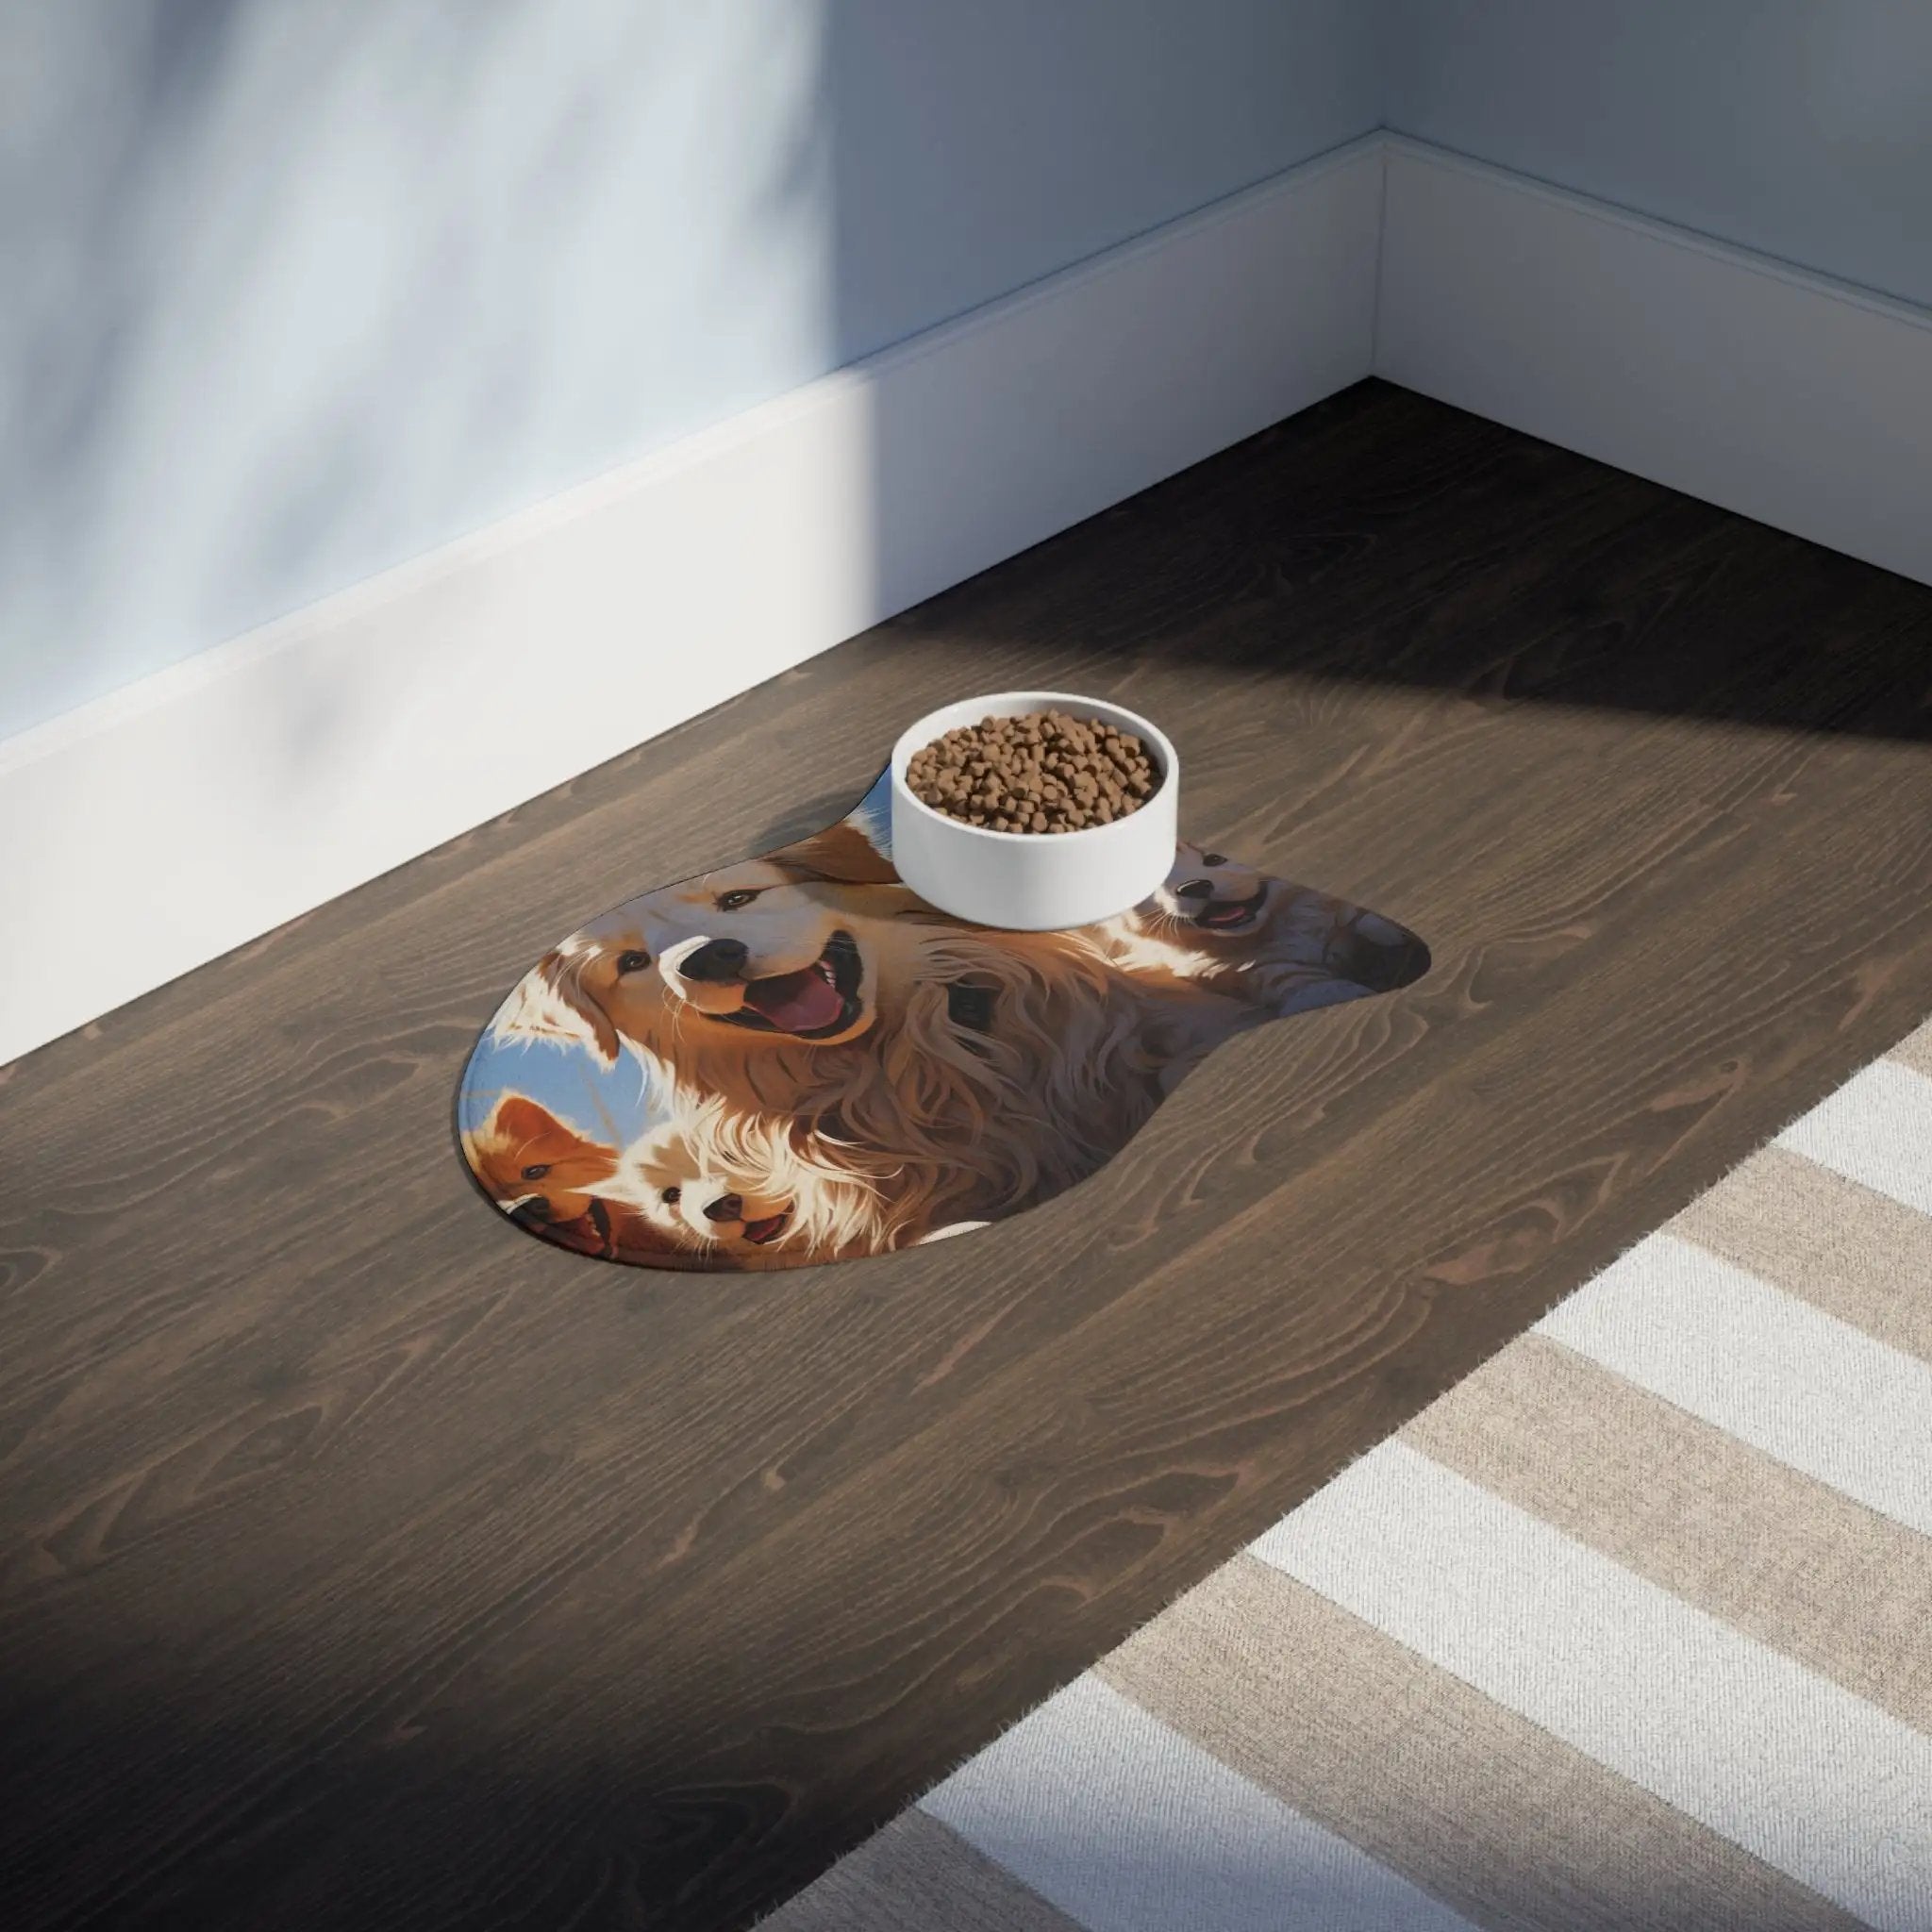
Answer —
1045 772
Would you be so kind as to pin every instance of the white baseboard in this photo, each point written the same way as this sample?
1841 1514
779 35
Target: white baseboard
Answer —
1799 401
211 802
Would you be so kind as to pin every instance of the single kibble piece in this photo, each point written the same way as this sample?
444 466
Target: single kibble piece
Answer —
1043 773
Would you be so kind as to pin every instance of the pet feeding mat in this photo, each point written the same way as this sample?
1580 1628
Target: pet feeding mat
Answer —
796 1059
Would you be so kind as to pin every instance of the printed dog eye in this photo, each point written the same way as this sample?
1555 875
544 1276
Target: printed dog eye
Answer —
670 1196
536 1171
632 963
730 901
1212 858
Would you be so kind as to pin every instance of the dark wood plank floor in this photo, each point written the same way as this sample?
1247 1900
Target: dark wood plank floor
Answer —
365 1564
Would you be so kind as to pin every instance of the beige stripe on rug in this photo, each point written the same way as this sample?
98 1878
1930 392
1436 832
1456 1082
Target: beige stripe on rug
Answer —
1632 1628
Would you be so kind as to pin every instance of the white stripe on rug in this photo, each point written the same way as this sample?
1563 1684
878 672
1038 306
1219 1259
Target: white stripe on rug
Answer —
1876 1129
1815 1392
1126 1826
1811 1779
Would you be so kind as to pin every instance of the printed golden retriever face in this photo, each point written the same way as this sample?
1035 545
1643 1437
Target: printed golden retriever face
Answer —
798 1060
1212 892
1240 929
755 952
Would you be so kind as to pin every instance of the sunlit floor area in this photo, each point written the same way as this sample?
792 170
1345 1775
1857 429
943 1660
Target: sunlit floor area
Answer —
368 1564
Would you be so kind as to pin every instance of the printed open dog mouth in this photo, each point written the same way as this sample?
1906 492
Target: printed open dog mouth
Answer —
1221 915
768 1228
818 999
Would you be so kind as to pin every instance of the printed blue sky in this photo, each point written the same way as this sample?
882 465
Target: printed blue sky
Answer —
875 808
609 1104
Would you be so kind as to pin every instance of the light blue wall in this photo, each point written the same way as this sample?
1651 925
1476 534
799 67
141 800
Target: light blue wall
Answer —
1802 129
297 291
979 144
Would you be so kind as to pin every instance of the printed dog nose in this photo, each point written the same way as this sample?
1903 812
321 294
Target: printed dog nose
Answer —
725 1208
715 962
1194 889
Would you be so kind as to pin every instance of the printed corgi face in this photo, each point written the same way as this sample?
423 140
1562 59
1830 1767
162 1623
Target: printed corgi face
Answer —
689 1199
1213 892
534 1166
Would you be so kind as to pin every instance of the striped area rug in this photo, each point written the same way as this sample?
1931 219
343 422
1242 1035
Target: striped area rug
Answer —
1632 1628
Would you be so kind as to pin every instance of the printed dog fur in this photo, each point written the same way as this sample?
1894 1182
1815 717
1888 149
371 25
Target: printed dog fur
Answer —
825 1009
1265 940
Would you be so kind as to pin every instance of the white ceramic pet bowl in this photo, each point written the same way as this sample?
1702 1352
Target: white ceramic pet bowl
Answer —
1034 881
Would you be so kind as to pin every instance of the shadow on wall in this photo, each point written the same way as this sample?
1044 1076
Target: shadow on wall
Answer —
1327 548
298 294
972 152
305 292
1787 128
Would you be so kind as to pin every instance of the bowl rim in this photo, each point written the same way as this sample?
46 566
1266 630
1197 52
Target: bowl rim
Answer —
921 732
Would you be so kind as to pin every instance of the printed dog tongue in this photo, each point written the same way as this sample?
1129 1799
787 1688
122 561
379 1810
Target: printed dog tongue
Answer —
797 1002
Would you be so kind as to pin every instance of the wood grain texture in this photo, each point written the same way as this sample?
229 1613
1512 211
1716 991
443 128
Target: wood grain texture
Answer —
363 1563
